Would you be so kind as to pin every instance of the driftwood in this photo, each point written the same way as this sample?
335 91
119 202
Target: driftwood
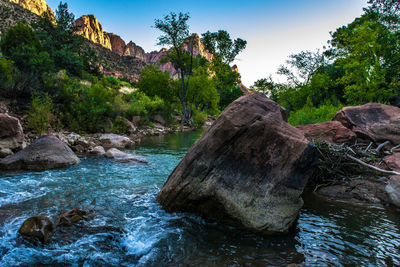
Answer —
373 167
342 163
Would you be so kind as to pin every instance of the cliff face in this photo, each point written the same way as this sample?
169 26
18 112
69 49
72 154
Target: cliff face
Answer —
135 51
90 28
38 7
193 45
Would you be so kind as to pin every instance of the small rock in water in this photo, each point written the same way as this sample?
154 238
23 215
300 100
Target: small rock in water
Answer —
98 150
115 153
130 159
72 217
37 228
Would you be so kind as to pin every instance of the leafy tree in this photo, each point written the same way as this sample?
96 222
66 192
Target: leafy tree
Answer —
154 82
202 93
220 43
175 32
368 53
302 66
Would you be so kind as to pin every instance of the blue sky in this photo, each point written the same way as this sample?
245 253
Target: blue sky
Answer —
273 29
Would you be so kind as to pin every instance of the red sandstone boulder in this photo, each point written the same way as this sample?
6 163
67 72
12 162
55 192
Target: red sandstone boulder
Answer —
248 169
47 152
375 122
11 133
332 132
393 162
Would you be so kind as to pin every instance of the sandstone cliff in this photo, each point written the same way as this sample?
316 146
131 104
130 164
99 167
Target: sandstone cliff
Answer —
90 28
38 7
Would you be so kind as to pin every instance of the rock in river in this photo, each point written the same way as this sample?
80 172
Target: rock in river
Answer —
47 152
248 169
37 228
115 141
114 153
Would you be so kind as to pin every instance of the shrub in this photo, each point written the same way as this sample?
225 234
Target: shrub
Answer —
199 118
40 114
6 74
143 105
311 115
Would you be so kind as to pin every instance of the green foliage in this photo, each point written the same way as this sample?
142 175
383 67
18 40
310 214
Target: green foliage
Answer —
153 82
199 118
364 49
220 43
311 115
143 105
21 44
202 93
40 114
6 74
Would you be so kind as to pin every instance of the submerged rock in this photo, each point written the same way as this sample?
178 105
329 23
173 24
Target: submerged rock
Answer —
248 169
115 141
373 121
332 132
37 228
393 190
11 133
131 159
47 152
72 217
115 153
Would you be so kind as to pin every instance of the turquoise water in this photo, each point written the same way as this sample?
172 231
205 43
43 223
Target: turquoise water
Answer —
129 228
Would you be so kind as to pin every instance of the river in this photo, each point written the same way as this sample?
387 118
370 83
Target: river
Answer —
129 228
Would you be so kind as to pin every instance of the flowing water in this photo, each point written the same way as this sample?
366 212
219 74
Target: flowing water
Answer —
129 228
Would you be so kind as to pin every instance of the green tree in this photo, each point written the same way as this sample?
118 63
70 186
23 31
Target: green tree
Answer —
367 51
220 43
301 67
175 32
154 82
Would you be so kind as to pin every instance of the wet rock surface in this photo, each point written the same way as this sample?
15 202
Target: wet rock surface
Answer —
248 169
115 153
47 152
37 228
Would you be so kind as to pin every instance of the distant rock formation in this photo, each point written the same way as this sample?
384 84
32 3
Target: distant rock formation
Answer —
38 7
135 51
90 28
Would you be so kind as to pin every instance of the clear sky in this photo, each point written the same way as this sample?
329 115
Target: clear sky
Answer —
273 29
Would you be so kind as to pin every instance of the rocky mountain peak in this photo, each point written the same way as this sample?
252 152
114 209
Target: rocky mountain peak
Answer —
38 7
90 28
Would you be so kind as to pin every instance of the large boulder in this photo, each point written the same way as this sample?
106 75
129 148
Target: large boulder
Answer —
114 141
373 121
37 228
11 133
332 132
47 152
393 190
248 169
